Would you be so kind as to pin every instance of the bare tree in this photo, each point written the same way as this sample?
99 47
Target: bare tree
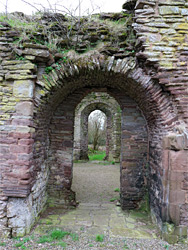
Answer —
97 129
74 13
5 4
62 6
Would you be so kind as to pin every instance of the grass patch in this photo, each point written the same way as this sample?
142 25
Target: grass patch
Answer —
117 190
114 199
74 236
62 244
22 242
2 244
99 237
57 235
97 156
44 239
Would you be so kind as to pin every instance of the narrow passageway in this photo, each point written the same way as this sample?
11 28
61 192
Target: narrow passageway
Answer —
97 222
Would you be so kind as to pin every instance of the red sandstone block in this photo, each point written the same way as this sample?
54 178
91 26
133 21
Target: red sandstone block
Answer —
4 149
24 108
20 149
26 141
8 141
174 213
25 182
176 176
177 197
22 175
22 122
20 168
24 157
20 135
175 185
8 156
179 160
23 163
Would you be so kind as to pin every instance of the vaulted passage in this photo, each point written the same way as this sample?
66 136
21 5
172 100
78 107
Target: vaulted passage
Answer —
147 116
46 99
133 149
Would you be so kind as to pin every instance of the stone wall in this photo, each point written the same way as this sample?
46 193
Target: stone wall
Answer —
161 27
110 107
133 151
151 80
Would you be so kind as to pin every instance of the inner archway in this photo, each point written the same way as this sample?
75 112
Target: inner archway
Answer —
110 107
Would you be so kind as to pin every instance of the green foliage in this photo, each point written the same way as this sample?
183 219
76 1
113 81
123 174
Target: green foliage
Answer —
116 190
48 69
99 237
125 245
74 236
49 223
144 204
91 245
114 199
26 239
62 244
20 58
23 247
45 238
97 156
22 242
166 246
2 244
16 22
19 244
58 234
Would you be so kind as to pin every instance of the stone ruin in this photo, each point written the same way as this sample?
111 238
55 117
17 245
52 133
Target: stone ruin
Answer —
110 107
138 57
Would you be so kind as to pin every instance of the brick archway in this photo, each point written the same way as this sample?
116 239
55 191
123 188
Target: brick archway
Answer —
52 96
109 106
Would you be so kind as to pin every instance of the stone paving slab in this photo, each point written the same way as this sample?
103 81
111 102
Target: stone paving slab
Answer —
107 219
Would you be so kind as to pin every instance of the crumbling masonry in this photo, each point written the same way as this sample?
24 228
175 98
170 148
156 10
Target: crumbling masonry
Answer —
143 67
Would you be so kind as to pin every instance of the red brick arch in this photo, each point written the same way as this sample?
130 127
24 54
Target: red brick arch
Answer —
55 99
120 78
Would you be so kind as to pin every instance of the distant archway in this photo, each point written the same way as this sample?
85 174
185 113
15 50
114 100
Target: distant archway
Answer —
107 104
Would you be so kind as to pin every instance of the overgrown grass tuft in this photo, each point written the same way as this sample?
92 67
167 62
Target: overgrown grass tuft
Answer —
99 237
45 238
2 244
57 235
97 156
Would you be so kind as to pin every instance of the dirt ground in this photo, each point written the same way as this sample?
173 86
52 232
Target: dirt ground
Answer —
95 183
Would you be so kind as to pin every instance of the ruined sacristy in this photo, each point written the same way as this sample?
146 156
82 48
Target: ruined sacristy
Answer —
132 66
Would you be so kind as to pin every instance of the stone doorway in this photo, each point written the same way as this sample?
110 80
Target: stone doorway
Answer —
147 133
110 107
133 148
